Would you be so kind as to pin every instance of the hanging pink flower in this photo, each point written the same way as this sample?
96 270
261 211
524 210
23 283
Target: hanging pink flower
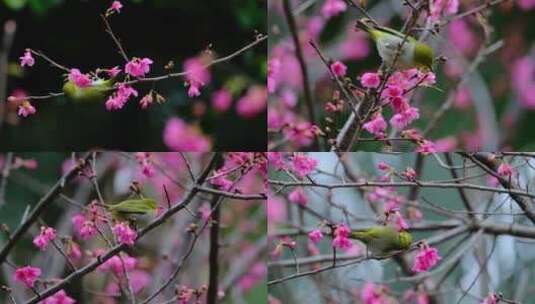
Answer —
138 67
27 275
46 235
115 264
253 102
332 8
26 109
179 136
221 100
374 294
426 258
303 165
341 239
124 234
376 126
113 71
315 236
491 299
274 65
116 6
27 59
370 80
298 196
59 297
339 68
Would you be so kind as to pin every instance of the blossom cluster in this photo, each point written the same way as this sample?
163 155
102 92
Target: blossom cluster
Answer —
97 227
403 101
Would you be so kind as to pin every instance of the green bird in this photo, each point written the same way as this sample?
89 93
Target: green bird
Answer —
98 91
133 207
383 240
413 54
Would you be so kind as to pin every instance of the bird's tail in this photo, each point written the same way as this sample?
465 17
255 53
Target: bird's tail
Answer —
359 235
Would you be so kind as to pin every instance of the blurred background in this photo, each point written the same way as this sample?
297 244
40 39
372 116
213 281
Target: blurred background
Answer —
72 33
510 259
242 233
493 109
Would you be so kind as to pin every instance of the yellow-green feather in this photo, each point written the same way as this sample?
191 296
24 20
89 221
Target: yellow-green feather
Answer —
94 93
134 206
383 239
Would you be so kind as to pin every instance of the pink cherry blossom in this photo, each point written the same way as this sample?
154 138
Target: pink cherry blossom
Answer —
254 276
426 147
197 75
441 8
222 180
374 294
303 165
26 109
446 144
276 210
370 80
253 102
146 101
139 280
73 250
403 119
301 133
27 275
409 174
392 91
491 299
115 264
83 227
116 6
46 235
124 234
298 196
463 98
59 297
193 90
179 136
79 79
355 46
315 236
462 37
222 100
383 166
277 160
113 71
505 170
274 65
145 161
288 98
426 258
341 239
120 97
332 8
523 81
376 126
88 230
416 297
138 67
27 59
339 68
401 224
526 4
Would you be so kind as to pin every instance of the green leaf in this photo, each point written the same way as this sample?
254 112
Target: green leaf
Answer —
42 6
15 4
